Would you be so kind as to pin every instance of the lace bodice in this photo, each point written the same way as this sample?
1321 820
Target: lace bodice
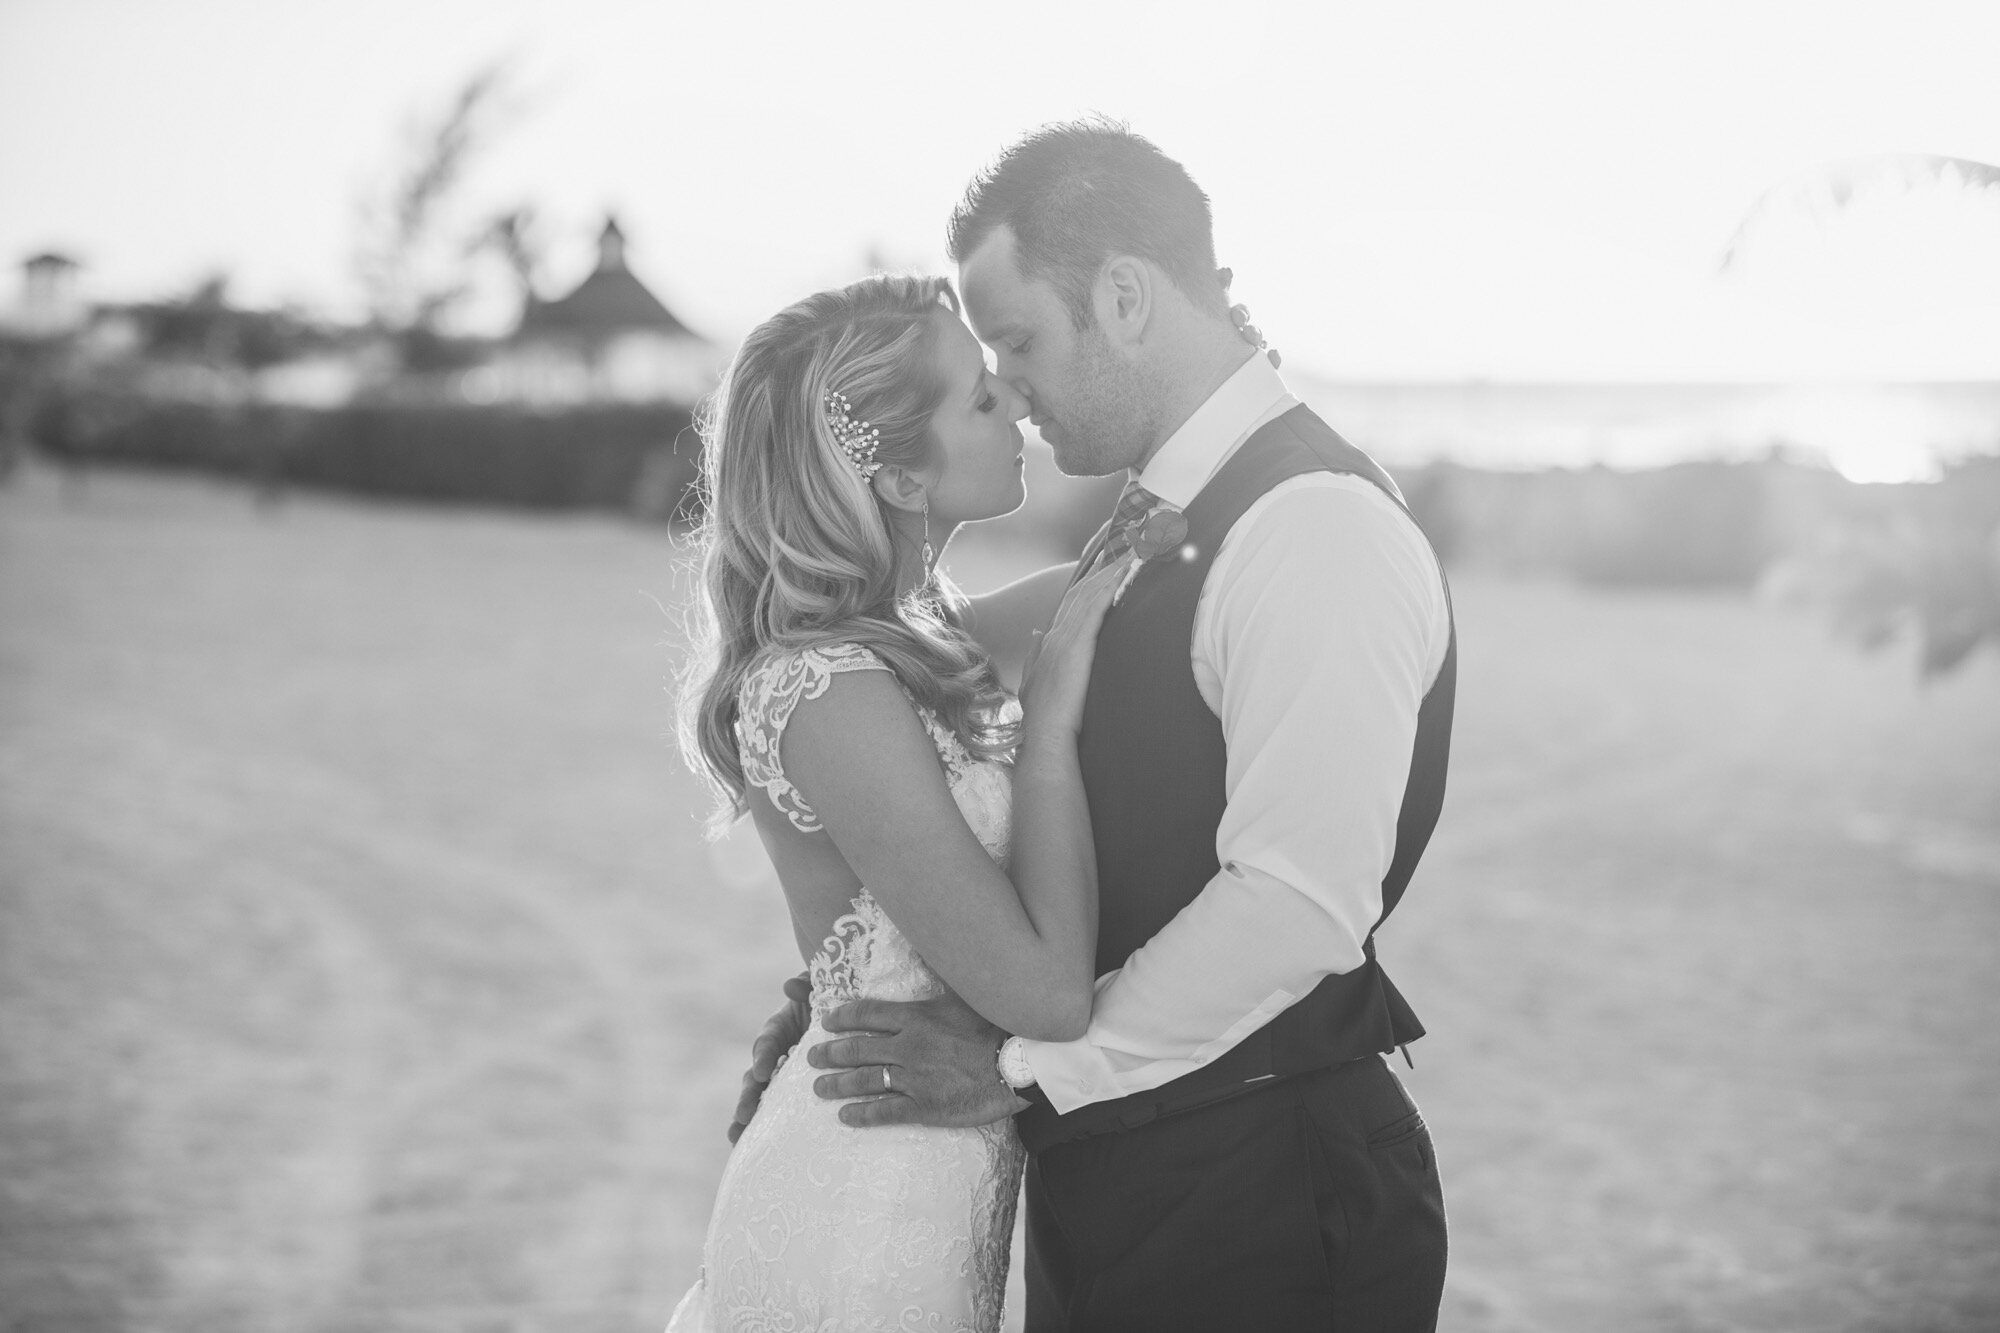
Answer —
773 689
865 954
819 1226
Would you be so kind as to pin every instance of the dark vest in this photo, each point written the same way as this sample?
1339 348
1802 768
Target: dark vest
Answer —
1153 764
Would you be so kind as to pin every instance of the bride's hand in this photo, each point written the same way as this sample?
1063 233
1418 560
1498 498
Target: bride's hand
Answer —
1058 670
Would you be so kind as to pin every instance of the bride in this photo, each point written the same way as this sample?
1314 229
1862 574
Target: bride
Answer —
846 695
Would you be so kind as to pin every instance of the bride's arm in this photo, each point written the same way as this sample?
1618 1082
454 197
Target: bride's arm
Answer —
1005 621
861 759
1021 953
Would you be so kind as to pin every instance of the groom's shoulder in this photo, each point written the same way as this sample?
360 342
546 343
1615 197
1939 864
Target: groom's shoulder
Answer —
1306 456
1313 443
1336 520
1337 516
1329 548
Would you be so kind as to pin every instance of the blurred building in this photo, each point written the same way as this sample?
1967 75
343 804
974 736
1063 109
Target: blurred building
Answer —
48 305
609 340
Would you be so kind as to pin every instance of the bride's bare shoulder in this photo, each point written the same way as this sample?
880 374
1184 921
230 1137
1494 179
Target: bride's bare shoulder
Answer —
811 715
783 676
781 679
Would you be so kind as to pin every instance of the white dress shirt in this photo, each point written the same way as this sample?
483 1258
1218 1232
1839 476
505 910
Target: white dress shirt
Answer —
1320 626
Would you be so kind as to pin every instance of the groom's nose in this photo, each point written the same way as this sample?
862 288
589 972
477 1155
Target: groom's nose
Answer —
1017 401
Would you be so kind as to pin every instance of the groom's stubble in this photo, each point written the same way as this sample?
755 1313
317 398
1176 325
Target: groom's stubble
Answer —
1091 403
1110 423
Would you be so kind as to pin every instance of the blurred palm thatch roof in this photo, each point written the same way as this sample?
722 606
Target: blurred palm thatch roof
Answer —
609 302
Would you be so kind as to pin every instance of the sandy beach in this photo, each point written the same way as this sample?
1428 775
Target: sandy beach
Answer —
362 967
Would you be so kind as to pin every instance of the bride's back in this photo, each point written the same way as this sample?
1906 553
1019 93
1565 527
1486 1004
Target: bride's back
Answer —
814 1221
820 886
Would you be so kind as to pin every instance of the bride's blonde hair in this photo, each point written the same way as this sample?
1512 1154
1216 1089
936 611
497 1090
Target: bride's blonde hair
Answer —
795 547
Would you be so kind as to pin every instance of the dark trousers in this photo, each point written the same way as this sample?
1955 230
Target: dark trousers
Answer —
1310 1203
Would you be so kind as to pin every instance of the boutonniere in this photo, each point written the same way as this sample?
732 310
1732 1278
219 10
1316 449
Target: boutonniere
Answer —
1163 530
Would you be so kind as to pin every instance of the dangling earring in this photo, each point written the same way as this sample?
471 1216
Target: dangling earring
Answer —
930 556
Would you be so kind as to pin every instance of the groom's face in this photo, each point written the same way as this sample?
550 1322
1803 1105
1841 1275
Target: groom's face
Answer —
1082 397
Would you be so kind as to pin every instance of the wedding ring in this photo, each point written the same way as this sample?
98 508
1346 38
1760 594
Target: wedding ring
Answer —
887 1086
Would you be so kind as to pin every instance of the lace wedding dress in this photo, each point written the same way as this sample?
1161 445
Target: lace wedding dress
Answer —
819 1227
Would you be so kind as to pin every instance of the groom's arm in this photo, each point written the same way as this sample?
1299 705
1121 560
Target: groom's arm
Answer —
1321 627
941 1055
781 1032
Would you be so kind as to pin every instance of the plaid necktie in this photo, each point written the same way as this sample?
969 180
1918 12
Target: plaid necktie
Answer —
1133 506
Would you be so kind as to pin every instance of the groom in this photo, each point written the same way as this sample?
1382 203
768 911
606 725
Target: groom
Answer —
1264 747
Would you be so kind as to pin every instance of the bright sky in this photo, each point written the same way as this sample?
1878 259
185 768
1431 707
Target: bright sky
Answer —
1404 191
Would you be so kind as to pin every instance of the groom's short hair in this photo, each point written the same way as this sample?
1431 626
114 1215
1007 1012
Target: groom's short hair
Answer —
1078 192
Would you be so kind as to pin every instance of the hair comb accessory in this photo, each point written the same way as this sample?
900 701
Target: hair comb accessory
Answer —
857 439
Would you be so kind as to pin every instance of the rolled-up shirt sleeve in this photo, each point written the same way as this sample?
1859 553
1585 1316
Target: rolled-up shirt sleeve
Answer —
1321 625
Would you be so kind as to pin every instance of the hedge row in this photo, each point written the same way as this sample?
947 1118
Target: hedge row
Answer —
628 457
1693 524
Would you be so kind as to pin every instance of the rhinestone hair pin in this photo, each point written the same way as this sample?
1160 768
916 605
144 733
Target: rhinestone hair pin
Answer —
857 439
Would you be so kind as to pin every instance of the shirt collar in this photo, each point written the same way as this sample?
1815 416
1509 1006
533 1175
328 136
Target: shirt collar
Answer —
1252 395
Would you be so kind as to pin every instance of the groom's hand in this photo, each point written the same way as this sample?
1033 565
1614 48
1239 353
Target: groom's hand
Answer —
780 1034
940 1058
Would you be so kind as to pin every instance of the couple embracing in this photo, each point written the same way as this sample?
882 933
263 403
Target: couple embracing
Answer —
1118 938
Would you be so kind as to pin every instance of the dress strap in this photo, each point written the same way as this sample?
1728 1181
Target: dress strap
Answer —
769 693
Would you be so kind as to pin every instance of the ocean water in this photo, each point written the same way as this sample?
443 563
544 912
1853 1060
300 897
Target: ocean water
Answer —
1869 432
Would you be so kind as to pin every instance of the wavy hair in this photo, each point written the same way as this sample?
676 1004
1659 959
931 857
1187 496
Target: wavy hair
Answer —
795 548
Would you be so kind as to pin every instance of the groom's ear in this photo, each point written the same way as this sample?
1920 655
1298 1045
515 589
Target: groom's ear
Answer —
1123 298
899 488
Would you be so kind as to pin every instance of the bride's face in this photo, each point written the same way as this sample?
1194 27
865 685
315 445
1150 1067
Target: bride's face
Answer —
976 471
